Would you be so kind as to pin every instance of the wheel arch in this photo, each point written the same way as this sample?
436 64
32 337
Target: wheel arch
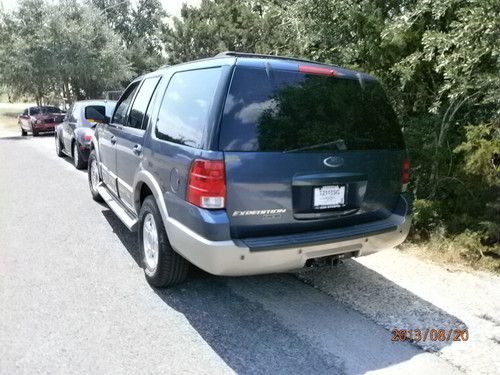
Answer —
146 184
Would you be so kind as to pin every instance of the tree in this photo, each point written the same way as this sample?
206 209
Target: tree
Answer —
140 29
64 49
26 60
89 56
216 26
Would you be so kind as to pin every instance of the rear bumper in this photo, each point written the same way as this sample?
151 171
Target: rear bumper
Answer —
237 258
45 127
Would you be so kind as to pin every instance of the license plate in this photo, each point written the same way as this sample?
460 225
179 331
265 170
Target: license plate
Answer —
329 196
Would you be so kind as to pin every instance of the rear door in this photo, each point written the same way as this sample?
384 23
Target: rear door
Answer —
130 140
307 151
107 135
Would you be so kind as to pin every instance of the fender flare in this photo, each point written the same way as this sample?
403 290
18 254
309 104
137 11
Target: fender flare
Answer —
145 177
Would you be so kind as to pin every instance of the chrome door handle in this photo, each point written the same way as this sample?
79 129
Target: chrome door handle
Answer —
137 149
113 140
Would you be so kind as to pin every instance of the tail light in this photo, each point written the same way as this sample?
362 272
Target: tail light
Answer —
405 178
207 184
87 137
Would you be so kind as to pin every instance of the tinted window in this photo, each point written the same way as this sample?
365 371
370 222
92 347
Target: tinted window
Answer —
44 110
50 109
25 113
292 111
35 110
141 102
120 115
186 106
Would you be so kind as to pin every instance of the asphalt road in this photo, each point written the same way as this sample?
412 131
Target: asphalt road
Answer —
74 300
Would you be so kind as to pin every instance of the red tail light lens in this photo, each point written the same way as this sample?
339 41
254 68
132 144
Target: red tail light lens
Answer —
317 70
406 172
87 137
207 184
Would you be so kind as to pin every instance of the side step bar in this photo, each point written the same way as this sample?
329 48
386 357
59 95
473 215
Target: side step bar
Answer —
118 208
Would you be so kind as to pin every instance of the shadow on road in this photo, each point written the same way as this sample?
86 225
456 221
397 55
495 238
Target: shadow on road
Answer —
278 324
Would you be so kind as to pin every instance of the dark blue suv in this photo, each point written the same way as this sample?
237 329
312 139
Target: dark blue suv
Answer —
244 164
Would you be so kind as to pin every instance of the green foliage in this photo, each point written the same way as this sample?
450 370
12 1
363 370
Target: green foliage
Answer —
427 218
40 58
481 150
140 29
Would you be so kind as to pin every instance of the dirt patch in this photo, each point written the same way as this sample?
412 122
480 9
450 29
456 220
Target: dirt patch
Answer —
9 113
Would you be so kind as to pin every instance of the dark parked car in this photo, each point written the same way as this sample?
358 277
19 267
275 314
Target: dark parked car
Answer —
39 119
73 136
244 164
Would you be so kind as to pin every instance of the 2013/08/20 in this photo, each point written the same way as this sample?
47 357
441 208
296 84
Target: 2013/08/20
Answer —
429 334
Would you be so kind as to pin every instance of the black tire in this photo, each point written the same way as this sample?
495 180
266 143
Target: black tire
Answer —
24 133
171 268
35 133
77 156
58 146
93 164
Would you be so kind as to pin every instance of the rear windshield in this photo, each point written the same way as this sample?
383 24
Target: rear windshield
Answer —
287 111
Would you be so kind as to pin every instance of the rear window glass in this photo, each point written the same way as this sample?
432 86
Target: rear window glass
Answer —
185 108
294 112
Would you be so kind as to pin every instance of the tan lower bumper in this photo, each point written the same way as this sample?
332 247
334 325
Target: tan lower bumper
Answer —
226 258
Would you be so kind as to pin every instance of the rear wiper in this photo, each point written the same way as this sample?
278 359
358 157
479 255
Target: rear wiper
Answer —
340 143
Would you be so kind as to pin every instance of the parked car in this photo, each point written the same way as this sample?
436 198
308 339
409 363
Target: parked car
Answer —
39 119
245 164
73 136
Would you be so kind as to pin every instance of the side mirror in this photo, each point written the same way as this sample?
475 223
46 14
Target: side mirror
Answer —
93 115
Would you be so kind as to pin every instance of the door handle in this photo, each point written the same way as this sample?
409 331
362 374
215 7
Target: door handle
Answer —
113 140
137 149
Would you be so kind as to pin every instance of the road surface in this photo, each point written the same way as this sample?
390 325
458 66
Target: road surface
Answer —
74 300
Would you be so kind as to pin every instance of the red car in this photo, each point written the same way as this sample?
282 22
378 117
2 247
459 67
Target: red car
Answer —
40 119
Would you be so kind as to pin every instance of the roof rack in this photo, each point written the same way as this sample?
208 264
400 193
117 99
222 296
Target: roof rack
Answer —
262 56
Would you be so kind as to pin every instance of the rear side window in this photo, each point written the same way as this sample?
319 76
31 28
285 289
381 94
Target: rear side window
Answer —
186 105
288 111
141 102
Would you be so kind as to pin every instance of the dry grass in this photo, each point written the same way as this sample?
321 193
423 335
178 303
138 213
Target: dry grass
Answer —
462 253
8 115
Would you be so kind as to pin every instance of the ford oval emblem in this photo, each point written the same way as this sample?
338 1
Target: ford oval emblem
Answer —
333 161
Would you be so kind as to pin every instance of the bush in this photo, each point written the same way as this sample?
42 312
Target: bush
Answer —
426 219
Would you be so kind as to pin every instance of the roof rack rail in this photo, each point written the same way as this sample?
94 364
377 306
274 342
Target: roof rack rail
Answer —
263 56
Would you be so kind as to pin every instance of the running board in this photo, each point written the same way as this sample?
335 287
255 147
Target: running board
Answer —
118 208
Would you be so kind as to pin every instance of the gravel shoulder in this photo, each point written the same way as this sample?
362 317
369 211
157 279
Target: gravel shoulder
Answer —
401 291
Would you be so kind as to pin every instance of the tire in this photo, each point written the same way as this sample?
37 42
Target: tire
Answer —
77 157
93 184
24 133
171 268
58 146
35 133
